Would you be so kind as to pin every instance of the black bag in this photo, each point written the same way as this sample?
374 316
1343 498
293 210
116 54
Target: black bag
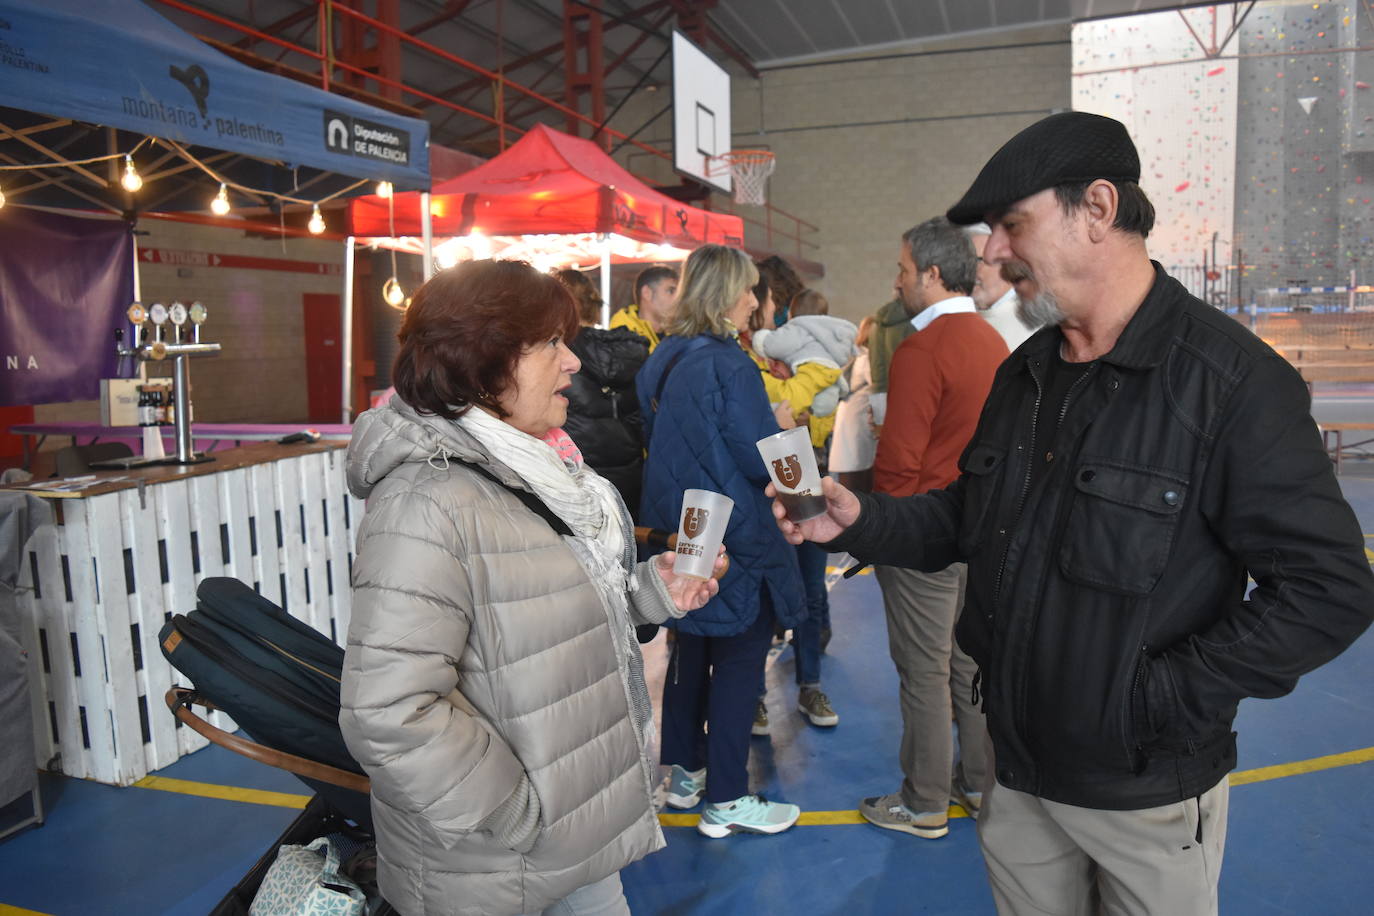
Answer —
275 676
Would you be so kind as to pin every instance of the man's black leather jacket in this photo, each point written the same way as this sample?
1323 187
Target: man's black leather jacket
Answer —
1106 604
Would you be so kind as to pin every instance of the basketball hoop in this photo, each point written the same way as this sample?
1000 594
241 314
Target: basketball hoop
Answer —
749 170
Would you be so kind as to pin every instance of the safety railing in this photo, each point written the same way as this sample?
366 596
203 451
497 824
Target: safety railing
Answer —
778 227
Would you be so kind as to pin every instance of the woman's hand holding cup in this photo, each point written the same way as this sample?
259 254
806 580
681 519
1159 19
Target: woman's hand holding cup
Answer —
690 592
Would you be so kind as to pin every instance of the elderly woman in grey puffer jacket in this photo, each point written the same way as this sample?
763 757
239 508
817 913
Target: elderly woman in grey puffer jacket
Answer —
492 686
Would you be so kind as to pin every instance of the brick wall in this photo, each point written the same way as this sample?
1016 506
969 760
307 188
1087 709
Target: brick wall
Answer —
255 315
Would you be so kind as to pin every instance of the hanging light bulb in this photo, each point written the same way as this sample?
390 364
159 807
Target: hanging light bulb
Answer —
132 181
220 205
316 224
391 289
2 198
384 190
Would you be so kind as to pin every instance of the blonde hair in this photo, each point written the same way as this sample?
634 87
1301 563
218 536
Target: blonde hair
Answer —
713 279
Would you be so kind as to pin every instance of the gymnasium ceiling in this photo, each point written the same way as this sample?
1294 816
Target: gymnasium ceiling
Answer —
524 38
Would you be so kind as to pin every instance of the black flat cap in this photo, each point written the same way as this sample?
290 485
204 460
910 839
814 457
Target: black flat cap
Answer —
1064 148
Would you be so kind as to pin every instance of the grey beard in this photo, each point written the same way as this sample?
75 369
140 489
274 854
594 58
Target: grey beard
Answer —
1039 310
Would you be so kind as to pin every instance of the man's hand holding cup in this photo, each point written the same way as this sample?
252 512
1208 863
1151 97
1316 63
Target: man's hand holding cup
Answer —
841 510
806 506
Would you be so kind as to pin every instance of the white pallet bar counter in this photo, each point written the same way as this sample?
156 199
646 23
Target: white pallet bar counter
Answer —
128 550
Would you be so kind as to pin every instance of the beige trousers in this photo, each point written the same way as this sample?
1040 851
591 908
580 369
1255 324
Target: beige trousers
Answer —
1049 859
936 678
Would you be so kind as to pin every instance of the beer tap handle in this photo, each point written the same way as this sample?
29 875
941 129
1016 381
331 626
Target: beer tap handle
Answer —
124 365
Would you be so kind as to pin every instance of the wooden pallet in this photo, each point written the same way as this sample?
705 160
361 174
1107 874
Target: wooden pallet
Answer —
98 586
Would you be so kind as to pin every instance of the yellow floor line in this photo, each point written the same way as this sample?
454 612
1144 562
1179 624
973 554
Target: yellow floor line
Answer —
227 793
836 570
7 910
1312 765
808 818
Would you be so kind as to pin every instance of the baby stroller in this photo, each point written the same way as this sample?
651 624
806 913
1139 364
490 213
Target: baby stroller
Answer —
279 680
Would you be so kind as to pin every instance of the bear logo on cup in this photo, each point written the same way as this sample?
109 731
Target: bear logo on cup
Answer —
695 522
788 471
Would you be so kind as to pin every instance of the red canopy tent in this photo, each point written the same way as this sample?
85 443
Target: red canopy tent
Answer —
548 183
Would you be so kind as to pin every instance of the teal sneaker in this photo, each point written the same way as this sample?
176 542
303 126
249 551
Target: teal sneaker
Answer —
685 787
750 814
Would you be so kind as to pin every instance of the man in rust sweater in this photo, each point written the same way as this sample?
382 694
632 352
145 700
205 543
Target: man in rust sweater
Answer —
939 379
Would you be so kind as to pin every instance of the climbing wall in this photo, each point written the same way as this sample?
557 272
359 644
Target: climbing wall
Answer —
1151 73
1305 145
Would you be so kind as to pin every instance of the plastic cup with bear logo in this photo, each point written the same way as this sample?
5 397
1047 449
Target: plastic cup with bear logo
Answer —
792 465
699 534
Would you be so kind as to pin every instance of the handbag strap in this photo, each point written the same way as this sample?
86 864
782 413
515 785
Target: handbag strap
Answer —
331 855
532 502
331 877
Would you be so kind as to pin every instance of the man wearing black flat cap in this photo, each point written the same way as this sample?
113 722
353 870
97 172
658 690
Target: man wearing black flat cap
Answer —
1137 458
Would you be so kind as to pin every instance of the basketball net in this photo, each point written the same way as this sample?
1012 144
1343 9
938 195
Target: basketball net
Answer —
749 170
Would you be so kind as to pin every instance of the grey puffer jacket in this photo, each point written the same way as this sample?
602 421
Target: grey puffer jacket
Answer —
821 339
484 664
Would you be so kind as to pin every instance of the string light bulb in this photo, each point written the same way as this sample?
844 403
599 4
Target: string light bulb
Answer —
316 224
384 190
2 197
132 181
220 205
393 294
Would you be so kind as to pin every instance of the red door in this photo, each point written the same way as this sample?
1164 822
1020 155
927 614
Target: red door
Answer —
323 355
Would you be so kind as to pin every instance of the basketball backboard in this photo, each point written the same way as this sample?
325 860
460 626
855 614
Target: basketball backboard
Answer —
701 114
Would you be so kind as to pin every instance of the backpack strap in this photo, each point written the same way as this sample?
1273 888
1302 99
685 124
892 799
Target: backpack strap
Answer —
532 502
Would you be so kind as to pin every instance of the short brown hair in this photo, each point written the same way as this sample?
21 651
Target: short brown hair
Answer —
467 328
584 293
782 280
653 275
1135 215
809 302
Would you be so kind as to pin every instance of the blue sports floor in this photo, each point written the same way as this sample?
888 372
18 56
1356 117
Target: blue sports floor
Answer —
1301 836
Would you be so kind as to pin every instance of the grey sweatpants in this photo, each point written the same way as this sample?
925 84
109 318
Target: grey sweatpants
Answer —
1050 859
935 676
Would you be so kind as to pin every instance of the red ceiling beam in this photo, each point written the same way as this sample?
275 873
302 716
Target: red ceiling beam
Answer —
584 66
480 82
634 45
543 53
281 25
692 19
453 10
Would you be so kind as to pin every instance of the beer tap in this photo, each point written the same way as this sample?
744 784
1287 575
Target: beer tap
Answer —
181 351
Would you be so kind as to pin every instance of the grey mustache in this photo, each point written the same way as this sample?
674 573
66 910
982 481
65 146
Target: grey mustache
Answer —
1015 271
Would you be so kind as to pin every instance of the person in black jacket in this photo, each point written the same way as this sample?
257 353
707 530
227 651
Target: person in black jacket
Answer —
603 408
1135 460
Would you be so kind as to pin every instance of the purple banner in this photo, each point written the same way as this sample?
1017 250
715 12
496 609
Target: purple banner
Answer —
64 285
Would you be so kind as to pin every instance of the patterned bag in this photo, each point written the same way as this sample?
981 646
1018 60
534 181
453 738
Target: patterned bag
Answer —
305 881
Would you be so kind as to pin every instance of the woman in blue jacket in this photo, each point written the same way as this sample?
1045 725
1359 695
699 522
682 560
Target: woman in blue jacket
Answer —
704 409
